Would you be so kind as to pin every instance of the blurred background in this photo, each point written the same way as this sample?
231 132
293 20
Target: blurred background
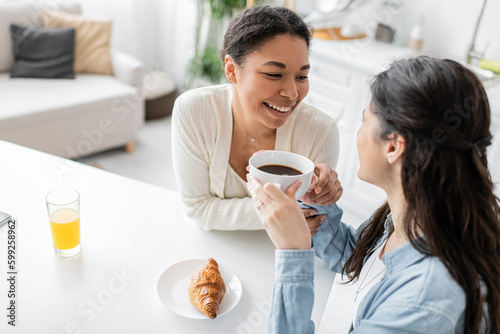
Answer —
163 33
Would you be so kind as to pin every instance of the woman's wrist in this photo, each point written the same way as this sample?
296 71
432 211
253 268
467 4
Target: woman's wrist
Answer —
294 264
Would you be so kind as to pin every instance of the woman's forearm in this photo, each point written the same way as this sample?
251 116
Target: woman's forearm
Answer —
293 294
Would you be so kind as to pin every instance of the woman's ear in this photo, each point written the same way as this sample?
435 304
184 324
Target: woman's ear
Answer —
395 148
230 69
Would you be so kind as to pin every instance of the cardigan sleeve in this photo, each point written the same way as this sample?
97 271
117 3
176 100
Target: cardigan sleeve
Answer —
194 131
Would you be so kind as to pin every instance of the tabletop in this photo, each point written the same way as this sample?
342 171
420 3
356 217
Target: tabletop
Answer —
131 232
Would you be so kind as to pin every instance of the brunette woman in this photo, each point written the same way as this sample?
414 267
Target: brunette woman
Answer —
428 260
216 129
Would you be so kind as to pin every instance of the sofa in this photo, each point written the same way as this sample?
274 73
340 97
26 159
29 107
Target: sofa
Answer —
70 118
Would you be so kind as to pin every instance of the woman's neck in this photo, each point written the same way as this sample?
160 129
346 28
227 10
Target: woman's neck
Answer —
249 130
397 203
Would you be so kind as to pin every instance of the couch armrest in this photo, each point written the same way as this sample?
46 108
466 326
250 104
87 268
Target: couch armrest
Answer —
128 69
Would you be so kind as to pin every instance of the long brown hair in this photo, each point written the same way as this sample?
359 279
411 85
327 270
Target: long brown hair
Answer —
442 111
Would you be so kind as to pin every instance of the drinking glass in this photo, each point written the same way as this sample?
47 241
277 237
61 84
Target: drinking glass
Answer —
63 206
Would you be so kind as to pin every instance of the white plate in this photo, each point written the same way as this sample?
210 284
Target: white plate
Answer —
173 282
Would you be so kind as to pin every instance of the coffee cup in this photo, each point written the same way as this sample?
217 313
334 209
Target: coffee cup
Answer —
282 169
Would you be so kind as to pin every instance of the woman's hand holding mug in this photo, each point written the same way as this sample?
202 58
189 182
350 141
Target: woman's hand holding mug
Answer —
325 187
281 215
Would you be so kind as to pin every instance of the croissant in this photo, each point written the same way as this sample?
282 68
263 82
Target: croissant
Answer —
206 289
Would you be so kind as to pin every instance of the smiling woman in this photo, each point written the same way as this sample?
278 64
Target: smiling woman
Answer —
268 91
215 130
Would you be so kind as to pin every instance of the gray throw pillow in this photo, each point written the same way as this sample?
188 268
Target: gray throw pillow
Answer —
42 53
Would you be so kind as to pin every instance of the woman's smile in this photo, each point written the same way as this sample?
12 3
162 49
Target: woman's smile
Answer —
277 110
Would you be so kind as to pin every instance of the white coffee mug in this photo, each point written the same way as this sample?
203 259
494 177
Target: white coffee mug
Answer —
288 159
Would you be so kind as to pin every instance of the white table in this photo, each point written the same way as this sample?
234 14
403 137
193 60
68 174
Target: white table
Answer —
131 232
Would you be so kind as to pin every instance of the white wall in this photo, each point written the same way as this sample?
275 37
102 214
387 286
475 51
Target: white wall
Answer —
449 26
177 37
161 32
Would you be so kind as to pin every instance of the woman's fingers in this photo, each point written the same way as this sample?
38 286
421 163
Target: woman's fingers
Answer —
318 188
290 192
314 182
325 193
309 212
270 191
281 215
314 223
258 194
324 176
329 195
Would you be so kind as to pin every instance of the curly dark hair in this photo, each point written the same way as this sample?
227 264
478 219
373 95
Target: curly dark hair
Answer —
255 26
442 111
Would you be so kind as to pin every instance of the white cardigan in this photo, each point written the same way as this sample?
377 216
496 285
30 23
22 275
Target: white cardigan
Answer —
202 126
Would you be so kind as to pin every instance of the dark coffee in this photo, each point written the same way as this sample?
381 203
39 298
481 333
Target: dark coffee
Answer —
279 170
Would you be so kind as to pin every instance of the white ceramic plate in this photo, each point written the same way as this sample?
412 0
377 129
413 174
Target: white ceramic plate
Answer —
173 282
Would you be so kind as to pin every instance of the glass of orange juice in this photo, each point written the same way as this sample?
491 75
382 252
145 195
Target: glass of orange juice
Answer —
63 206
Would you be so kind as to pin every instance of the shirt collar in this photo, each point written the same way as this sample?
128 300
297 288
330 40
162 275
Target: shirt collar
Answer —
401 257
388 225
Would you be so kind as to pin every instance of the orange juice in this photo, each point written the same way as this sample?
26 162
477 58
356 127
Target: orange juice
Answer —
65 224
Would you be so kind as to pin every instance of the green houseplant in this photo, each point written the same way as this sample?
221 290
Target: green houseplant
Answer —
213 18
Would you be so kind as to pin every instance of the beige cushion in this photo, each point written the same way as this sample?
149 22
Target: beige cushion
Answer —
92 50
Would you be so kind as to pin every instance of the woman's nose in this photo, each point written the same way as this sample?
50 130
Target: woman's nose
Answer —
289 90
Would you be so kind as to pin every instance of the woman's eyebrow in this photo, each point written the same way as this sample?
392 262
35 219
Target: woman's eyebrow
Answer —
281 65
274 63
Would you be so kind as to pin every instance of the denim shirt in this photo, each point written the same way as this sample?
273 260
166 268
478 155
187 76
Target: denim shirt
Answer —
415 295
